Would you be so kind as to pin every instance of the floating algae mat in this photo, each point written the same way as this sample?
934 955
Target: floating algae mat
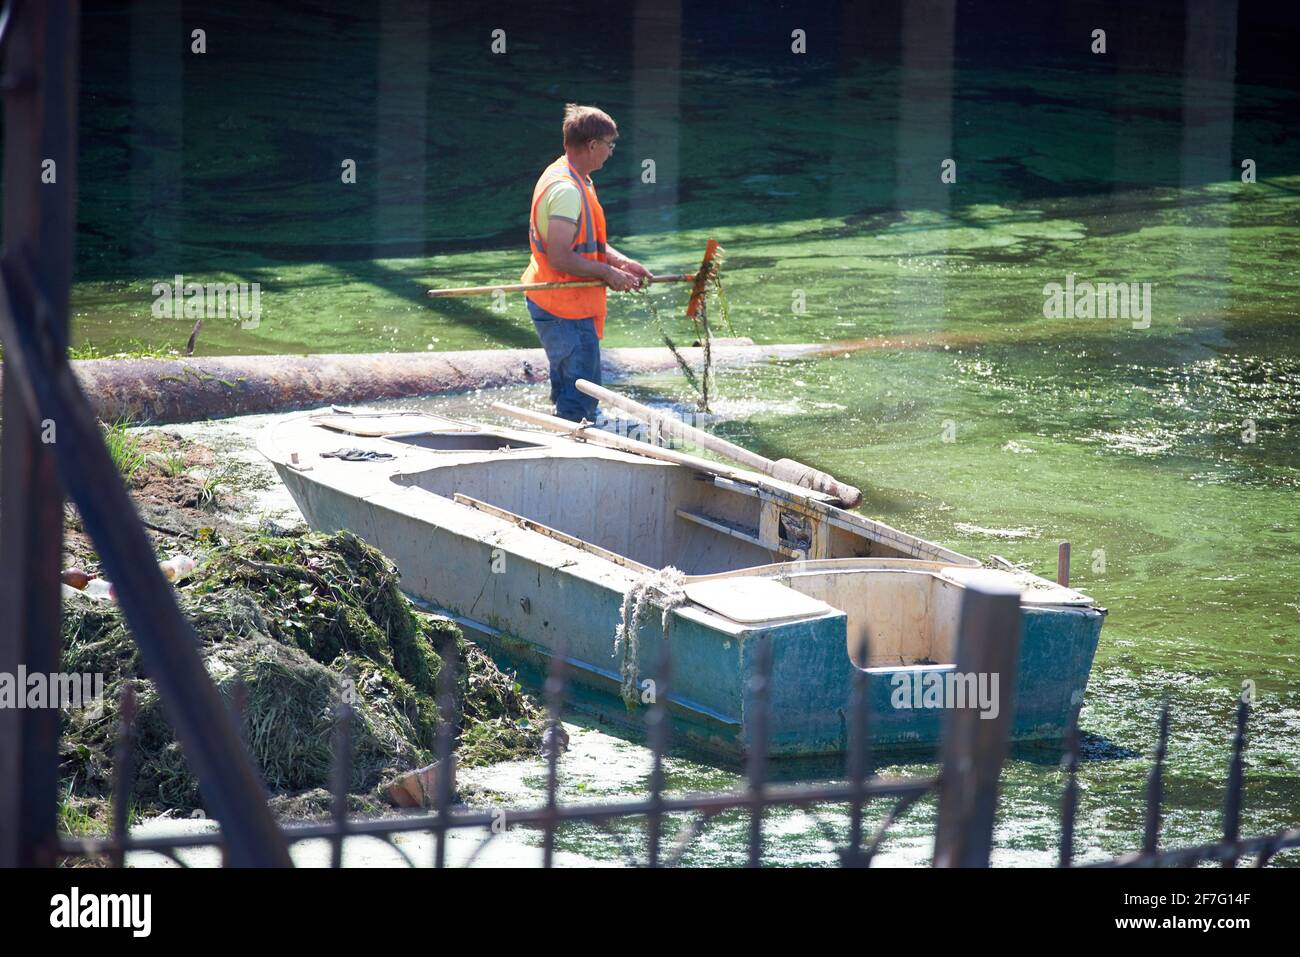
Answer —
301 622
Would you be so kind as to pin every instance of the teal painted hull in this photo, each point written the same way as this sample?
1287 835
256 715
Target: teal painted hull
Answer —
811 684
525 595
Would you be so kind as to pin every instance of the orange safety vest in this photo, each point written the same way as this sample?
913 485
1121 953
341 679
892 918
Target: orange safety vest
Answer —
588 242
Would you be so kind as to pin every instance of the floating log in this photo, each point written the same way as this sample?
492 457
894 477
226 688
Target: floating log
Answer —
190 389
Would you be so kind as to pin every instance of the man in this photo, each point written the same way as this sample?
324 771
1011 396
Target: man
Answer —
566 230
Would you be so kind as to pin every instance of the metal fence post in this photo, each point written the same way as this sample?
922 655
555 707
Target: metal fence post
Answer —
40 70
975 744
36 270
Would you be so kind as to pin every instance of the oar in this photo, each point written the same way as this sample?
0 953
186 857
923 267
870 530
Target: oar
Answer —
530 286
787 470
589 433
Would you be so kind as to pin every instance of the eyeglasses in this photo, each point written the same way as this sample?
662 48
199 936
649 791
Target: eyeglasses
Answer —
610 143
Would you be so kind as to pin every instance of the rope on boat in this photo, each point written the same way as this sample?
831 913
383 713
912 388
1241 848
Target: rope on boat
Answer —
664 588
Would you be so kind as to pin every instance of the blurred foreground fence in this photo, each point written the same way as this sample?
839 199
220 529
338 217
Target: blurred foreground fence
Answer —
973 752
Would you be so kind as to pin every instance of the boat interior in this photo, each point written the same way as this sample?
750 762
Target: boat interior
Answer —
898 612
655 514
901 594
710 526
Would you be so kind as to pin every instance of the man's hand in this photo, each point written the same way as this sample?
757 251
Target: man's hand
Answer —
627 265
619 280
635 268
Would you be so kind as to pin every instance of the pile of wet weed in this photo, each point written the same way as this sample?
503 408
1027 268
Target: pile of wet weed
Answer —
301 624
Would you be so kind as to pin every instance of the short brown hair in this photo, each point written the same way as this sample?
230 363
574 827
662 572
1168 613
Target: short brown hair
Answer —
583 123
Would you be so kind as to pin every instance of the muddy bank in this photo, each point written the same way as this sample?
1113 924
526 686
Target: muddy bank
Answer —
186 493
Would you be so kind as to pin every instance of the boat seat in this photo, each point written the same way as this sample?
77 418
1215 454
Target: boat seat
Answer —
750 600
738 531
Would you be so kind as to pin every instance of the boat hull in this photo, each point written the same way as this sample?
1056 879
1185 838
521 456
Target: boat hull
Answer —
527 599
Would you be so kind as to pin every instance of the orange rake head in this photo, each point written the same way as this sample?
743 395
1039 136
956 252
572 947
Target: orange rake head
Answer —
708 269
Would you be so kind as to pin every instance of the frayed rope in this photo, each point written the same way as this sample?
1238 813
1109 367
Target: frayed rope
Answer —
665 588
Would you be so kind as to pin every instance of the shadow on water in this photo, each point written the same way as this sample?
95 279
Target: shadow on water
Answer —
492 325
1093 748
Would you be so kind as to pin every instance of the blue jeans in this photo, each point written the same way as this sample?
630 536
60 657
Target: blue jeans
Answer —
573 351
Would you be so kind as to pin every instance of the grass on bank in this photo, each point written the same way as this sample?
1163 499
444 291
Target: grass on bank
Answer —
124 447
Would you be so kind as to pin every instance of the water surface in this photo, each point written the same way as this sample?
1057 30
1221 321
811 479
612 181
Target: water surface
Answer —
1166 454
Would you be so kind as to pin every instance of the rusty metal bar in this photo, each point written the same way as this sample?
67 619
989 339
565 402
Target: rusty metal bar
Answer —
1271 847
1269 844
1219 851
238 708
123 776
773 795
167 644
555 687
1063 564
340 779
1155 787
658 729
1236 774
33 314
756 765
446 770
975 746
1070 797
40 84
882 830
859 757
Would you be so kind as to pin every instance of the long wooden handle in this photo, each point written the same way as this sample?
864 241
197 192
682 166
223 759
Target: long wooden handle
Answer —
675 428
787 470
530 286
590 433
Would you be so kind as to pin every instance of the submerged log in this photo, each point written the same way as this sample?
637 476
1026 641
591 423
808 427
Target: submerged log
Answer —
189 389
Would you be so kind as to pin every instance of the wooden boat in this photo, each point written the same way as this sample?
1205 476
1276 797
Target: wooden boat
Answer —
531 541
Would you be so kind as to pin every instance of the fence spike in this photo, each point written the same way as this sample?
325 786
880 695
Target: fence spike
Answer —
859 755
658 728
341 775
555 688
239 708
1236 765
1070 796
448 721
975 745
123 776
1155 786
756 766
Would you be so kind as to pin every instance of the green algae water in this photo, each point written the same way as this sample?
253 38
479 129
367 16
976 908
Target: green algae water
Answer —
1165 447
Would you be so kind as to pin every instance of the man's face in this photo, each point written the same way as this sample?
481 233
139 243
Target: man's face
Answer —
601 150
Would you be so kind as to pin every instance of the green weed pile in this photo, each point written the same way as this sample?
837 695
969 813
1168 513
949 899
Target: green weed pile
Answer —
301 623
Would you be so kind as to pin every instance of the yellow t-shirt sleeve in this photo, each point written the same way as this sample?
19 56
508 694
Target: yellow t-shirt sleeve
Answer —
562 199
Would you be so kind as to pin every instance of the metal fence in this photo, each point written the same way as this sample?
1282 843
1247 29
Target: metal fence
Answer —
1228 851
758 795
966 786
